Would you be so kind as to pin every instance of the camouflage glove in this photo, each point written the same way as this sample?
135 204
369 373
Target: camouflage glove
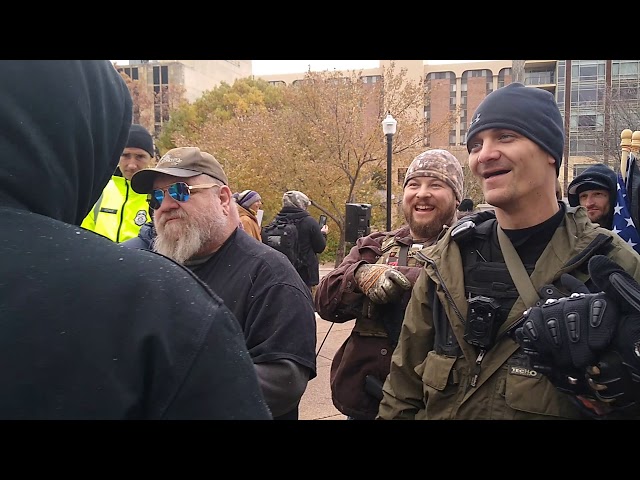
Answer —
614 379
563 336
381 283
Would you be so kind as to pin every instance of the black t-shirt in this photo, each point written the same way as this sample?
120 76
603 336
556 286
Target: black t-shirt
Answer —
531 242
267 296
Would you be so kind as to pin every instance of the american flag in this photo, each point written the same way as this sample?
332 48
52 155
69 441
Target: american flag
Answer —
622 222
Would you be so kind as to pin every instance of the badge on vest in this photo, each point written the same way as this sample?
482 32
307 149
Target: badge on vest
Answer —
141 218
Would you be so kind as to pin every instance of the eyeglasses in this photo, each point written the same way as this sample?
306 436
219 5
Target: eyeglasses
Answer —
179 191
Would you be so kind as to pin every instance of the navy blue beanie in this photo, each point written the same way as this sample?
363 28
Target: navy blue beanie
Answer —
596 177
530 111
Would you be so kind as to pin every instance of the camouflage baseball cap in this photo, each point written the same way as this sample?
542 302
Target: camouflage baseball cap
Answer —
180 162
440 164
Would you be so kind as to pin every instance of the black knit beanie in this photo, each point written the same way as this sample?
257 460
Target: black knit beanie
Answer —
530 111
139 137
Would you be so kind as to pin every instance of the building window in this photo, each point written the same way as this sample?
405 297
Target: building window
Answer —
160 101
371 78
502 74
131 72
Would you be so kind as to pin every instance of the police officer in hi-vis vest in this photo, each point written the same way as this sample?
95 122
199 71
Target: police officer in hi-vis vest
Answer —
120 212
373 283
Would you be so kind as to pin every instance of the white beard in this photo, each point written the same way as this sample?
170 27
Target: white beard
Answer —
180 246
183 239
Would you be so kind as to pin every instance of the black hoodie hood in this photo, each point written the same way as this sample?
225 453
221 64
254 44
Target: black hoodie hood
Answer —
63 126
596 177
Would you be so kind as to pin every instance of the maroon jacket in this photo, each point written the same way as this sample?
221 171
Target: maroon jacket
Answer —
367 351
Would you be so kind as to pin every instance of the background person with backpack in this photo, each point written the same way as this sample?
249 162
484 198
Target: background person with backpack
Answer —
311 239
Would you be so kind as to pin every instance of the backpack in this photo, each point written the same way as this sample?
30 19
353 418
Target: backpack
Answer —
282 235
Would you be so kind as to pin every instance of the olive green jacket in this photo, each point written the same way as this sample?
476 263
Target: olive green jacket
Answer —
426 385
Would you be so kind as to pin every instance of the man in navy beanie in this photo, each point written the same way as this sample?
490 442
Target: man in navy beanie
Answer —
120 212
595 189
466 349
542 124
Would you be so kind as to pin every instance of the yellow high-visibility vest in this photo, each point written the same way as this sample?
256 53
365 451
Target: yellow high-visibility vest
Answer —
119 212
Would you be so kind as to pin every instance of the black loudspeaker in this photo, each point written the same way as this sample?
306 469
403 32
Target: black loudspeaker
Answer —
358 217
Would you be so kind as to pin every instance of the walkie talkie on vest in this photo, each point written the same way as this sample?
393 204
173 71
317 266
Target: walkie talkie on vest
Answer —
482 322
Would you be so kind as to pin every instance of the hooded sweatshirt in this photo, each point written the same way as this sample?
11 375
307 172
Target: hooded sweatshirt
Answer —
91 329
596 177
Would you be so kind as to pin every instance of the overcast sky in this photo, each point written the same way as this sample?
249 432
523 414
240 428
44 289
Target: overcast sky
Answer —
279 67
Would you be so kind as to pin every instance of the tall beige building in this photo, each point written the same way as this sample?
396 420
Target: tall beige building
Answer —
195 76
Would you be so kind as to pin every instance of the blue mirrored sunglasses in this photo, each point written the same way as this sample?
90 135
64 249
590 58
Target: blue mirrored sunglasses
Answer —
179 191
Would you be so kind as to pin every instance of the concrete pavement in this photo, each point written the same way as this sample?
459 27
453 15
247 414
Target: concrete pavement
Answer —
316 402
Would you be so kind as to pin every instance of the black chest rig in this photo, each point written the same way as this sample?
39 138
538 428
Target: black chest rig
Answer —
485 272
486 276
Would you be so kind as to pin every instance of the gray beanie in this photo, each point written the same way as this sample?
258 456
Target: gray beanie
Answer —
294 198
530 111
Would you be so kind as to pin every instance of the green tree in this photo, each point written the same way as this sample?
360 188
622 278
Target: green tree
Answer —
322 136
189 122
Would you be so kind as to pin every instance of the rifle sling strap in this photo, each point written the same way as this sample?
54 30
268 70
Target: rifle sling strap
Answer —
517 271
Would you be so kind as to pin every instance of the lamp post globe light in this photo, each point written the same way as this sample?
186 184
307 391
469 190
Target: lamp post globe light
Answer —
389 125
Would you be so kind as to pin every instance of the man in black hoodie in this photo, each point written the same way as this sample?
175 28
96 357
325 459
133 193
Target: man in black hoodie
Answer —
595 189
90 329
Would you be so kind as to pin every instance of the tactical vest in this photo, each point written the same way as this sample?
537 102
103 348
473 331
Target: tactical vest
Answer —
486 274
386 320
399 255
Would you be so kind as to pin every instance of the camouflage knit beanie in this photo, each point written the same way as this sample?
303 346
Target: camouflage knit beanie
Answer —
439 164
294 198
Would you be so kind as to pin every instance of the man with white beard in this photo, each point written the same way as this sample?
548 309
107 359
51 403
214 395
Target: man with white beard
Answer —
197 224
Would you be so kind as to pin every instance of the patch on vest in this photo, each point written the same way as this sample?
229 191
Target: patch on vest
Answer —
522 371
141 218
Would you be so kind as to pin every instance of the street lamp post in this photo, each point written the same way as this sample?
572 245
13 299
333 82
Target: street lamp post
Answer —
389 128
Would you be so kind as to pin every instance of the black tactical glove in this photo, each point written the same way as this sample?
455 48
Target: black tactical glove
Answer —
381 283
563 336
615 378
567 332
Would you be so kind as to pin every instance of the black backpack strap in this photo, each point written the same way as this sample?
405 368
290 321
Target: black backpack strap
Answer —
402 255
